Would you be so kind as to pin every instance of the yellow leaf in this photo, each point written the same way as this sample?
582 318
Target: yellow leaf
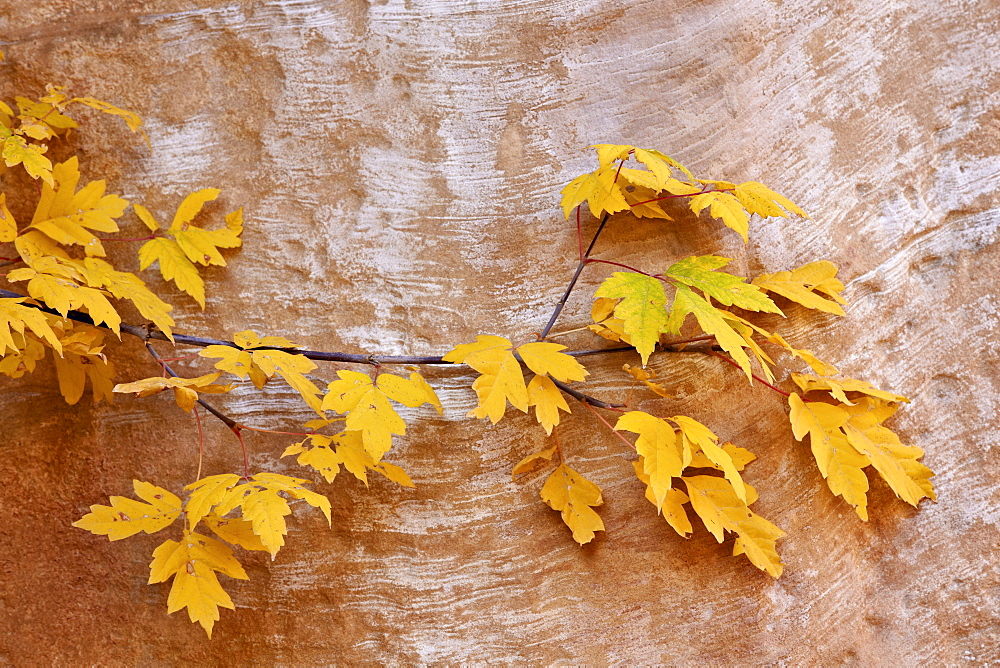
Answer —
719 508
758 198
17 317
642 308
545 359
429 394
672 504
699 272
547 400
132 119
191 207
174 266
394 473
700 437
807 356
838 461
726 208
234 530
266 511
803 284
18 152
531 462
72 372
838 388
644 376
65 295
207 493
319 456
660 448
573 495
608 154
69 217
739 456
126 517
8 228
599 189
185 389
662 165
711 321
413 391
502 379
123 285
193 563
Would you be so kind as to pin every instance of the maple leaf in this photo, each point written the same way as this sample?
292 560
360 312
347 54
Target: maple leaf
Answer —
803 284
699 272
739 456
758 198
532 461
65 295
895 462
838 388
185 244
235 530
185 389
16 151
671 505
260 502
661 449
502 379
123 285
720 509
605 324
547 400
642 308
711 321
193 562
205 494
261 365
13 315
667 452
8 227
599 189
350 452
725 207
573 495
82 358
126 517
662 165
807 356
69 216
838 461
366 403
608 154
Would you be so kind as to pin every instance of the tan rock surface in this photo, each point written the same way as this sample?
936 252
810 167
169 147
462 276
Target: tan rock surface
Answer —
399 165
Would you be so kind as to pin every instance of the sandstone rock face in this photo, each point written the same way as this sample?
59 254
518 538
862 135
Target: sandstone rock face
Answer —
399 165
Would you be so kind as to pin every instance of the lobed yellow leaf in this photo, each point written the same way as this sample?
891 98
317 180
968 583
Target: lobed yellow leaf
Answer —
838 461
13 315
532 461
174 266
126 517
715 501
235 530
16 151
725 207
661 449
839 388
547 400
205 494
711 321
573 495
699 272
545 359
193 562
8 228
758 198
803 284
185 389
642 308
672 504
699 437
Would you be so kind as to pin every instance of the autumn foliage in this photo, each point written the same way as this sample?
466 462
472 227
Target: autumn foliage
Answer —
66 297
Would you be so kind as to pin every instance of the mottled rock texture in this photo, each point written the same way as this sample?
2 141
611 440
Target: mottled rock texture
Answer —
400 166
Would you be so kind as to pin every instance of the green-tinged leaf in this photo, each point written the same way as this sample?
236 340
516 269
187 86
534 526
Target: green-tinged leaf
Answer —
642 308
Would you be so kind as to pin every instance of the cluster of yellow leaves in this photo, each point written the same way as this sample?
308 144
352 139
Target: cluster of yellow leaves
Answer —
849 435
326 454
23 133
615 187
370 419
256 358
632 307
502 380
722 503
185 244
194 560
